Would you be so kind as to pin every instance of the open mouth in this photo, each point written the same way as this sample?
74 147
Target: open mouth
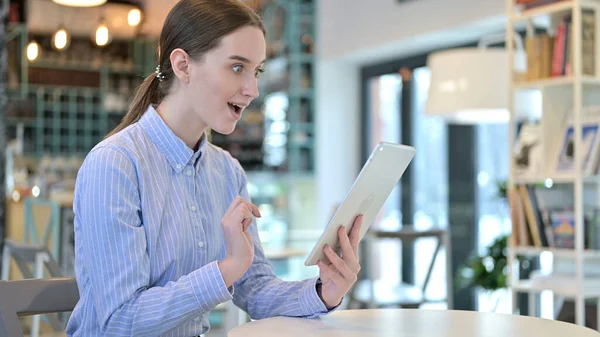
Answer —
236 108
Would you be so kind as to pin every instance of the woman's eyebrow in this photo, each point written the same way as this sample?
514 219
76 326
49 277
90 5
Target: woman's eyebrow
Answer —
242 59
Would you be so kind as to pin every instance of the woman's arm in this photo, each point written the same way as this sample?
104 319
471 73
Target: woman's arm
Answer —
260 293
111 240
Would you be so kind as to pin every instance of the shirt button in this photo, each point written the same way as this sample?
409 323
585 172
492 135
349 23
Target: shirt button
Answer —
178 166
193 208
200 244
189 172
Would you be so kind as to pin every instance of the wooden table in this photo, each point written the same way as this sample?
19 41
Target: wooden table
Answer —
411 323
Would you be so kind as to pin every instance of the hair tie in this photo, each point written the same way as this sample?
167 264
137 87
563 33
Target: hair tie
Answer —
161 77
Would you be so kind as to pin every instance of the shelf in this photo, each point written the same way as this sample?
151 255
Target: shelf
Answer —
26 121
569 289
84 66
558 252
557 179
556 82
563 6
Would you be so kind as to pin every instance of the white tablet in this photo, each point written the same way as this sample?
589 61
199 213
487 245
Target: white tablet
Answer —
368 193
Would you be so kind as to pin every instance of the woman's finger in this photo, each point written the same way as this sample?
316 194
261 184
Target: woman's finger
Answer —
339 264
234 204
348 254
246 223
240 214
329 273
324 277
254 209
355 233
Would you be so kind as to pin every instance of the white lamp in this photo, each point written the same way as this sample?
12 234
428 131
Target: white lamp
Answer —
80 3
470 85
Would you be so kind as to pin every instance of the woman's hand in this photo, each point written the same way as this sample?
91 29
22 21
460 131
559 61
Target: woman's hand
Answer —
339 276
239 243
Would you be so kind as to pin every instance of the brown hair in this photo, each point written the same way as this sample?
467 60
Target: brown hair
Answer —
195 26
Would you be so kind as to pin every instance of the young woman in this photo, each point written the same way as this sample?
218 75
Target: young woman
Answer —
164 226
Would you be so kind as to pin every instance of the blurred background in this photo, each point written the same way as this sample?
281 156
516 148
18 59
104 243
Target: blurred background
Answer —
341 75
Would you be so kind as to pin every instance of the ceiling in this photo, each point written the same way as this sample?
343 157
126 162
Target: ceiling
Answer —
44 16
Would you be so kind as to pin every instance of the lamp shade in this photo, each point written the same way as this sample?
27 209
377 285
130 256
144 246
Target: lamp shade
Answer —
470 85
80 3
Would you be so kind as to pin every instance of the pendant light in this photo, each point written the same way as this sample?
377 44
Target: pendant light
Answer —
134 17
80 3
102 34
33 51
61 39
470 85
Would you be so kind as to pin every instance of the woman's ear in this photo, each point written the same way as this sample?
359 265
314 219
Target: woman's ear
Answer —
180 63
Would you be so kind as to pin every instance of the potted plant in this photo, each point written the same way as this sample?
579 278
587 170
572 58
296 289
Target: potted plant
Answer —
488 271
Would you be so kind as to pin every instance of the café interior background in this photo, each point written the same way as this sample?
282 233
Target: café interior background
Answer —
341 75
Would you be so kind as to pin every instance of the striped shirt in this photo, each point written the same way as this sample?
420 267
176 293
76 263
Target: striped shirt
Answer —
148 237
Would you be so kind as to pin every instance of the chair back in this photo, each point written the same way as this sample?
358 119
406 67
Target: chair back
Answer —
33 297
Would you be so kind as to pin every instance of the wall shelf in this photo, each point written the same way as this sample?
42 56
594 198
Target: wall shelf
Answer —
119 68
66 104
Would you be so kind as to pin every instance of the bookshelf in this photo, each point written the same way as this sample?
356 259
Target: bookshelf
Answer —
551 189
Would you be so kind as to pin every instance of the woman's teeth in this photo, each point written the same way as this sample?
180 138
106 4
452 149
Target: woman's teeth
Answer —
235 107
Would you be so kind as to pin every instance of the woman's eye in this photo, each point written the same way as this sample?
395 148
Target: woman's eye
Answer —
258 72
237 68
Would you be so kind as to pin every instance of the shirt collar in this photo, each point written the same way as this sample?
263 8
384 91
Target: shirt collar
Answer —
172 147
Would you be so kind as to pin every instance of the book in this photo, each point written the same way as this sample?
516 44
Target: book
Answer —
562 58
539 50
563 224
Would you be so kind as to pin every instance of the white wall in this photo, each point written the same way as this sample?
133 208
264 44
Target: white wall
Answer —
338 127
353 33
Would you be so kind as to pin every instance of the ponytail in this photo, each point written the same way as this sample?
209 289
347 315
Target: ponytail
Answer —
147 93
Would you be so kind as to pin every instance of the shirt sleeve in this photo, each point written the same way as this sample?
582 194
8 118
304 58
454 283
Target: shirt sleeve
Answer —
111 240
261 294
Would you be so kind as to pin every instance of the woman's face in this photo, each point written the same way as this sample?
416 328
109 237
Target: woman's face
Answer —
224 81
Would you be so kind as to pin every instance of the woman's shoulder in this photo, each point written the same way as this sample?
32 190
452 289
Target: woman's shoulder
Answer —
120 150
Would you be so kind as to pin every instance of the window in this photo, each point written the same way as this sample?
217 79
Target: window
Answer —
431 177
430 187
384 125
493 214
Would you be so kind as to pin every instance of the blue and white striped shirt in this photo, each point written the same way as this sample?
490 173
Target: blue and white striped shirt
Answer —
148 237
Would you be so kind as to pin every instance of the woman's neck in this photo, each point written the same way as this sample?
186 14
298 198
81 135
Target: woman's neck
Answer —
181 121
